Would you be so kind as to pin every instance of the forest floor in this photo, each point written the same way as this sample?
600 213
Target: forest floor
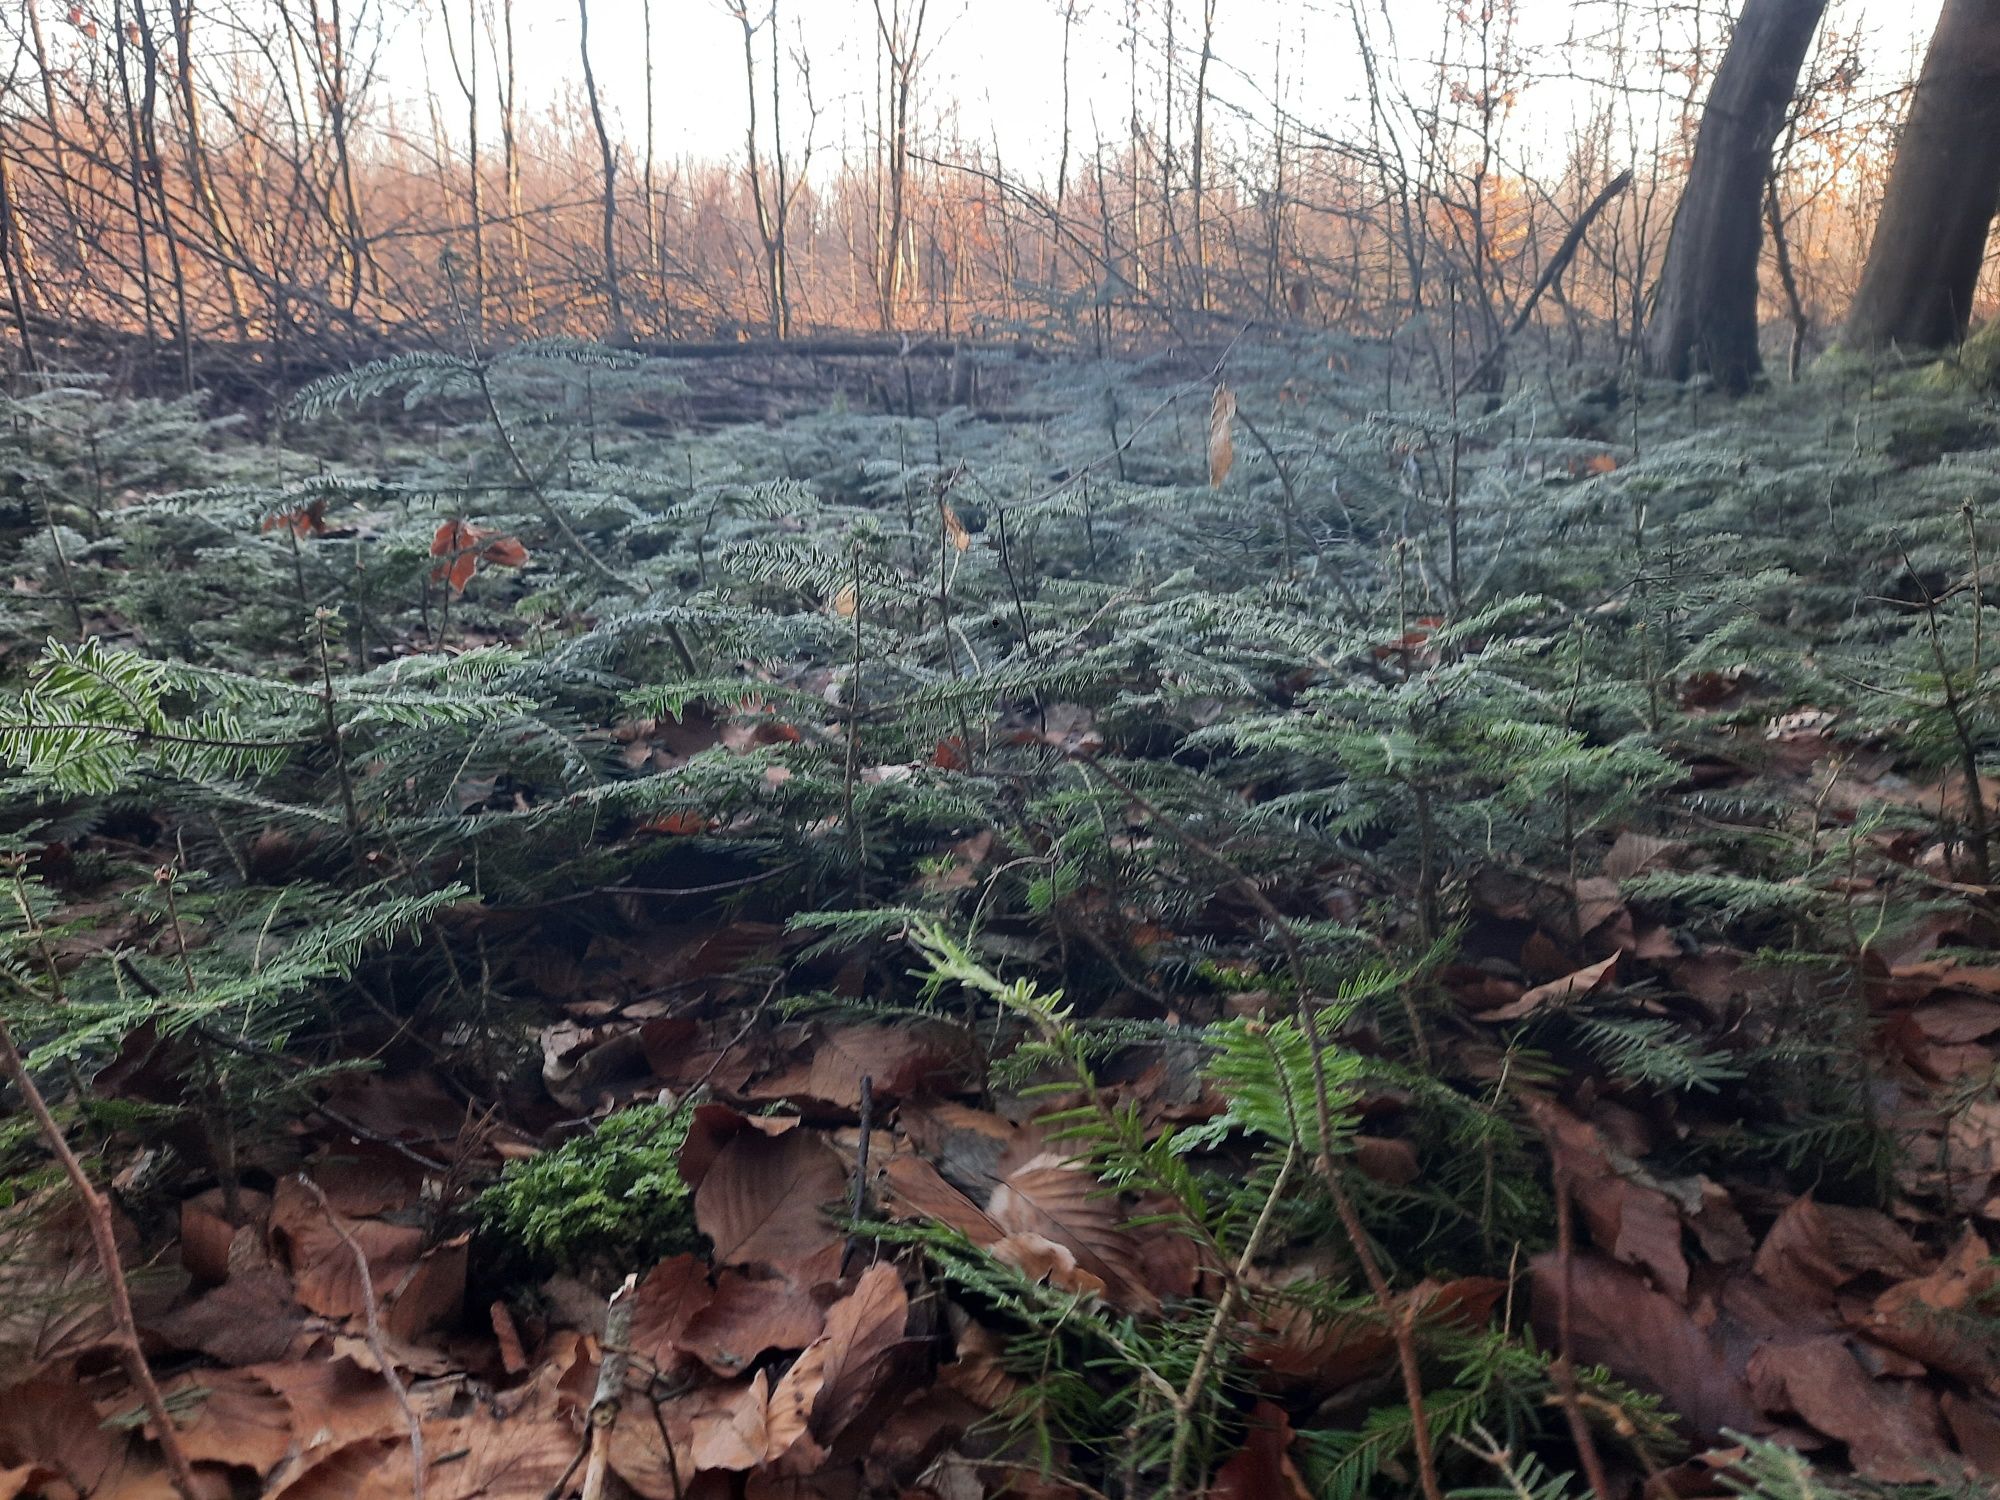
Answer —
1238 932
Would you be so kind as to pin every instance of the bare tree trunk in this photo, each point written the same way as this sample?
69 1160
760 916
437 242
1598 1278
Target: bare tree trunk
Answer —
781 297
156 178
1199 148
609 156
1795 307
769 206
524 281
655 265
135 175
327 45
181 14
1930 241
1062 159
467 74
58 156
902 45
1705 318
1170 233
13 261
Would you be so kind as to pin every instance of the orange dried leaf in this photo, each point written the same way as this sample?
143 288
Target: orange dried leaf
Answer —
303 520
504 552
682 823
961 539
1221 436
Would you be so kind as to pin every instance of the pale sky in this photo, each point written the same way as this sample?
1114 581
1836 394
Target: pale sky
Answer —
995 64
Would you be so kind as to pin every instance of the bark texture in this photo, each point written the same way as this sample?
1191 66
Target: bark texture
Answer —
1705 317
1930 241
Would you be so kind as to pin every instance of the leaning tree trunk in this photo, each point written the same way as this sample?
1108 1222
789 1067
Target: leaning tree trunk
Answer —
1944 188
1705 319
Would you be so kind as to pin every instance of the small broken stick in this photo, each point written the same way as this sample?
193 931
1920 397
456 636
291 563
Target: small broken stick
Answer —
609 1396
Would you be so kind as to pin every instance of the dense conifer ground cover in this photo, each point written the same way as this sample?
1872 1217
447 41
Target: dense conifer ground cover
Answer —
1229 929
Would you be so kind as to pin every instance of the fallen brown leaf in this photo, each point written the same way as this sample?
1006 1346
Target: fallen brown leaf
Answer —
249 1319
1815 1249
673 1293
229 1417
1890 1426
419 1286
840 1372
1646 1337
746 1319
1262 1469
1559 992
760 1203
912 1189
1052 1197
898 1061
1626 1215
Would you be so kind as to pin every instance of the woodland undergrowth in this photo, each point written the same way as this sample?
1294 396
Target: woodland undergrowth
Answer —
1235 930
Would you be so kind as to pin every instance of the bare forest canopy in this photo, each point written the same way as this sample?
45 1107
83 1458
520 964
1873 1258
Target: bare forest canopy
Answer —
295 182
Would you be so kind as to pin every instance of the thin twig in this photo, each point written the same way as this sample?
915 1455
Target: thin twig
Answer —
857 1207
97 1214
1225 1309
1562 1373
377 1346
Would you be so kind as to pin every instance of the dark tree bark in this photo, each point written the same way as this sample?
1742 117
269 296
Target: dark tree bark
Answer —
1705 317
1944 189
608 155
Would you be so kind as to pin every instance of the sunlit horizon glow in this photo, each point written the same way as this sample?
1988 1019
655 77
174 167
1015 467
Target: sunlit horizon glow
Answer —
994 77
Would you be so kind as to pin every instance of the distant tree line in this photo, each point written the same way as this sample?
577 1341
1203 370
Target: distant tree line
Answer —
183 181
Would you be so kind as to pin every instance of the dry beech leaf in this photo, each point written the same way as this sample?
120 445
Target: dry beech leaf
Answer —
1221 436
44 1423
206 1236
1570 987
980 1373
1975 1427
1890 1426
51 1292
912 1189
1925 1317
841 1371
1041 1259
1050 1196
760 1201
348 1472
1337 1352
1262 1469
1633 1220
250 1318
845 601
732 1430
463 548
897 1061
1646 1337
1814 1249
674 1293
746 1319
417 1287
230 1417
333 1402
